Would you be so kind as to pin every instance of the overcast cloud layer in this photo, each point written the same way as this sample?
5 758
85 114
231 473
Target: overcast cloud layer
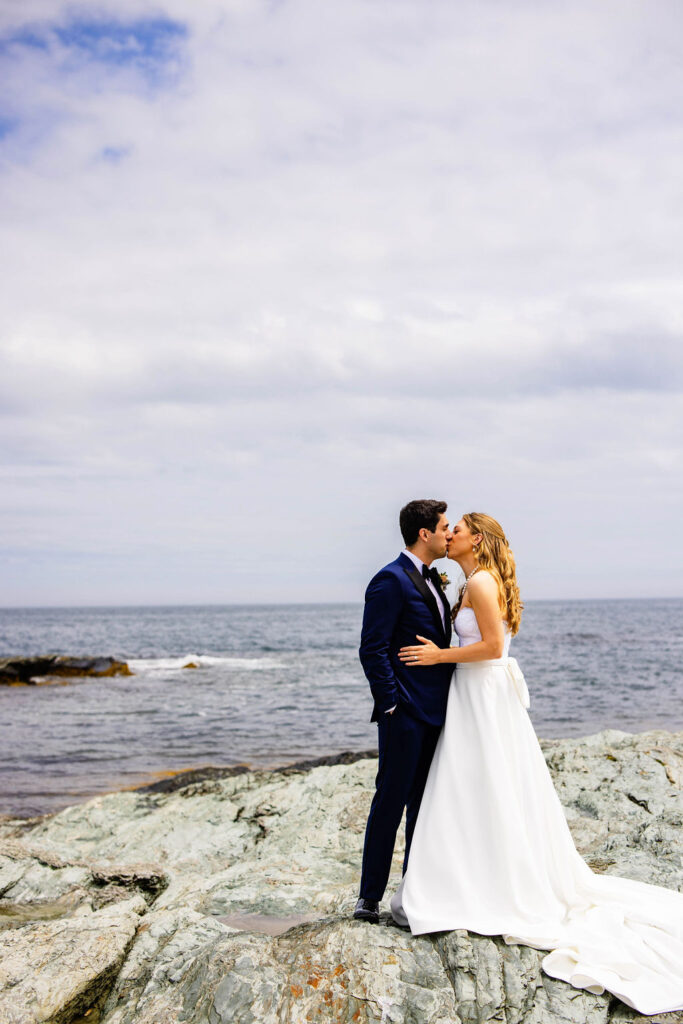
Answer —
270 269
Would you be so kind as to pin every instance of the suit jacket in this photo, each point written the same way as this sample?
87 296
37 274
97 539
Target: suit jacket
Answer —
398 605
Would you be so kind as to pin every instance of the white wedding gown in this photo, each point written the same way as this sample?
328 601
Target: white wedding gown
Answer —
492 853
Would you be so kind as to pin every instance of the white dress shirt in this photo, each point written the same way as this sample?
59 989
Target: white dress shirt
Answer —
418 563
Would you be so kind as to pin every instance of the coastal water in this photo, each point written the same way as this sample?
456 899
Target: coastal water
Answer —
277 684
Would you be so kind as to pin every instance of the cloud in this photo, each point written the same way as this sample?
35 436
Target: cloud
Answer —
267 259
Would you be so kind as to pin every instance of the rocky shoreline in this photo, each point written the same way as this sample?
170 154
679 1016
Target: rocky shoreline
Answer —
27 671
224 895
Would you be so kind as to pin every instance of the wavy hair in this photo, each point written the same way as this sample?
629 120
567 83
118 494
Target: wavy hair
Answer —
494 554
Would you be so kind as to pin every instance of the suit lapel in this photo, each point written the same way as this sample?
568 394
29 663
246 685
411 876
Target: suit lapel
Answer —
446 609
419 581
447 616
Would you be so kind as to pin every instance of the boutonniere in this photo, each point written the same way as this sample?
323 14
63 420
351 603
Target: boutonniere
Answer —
444 579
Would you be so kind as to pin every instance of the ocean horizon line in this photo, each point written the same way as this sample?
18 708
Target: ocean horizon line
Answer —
300 604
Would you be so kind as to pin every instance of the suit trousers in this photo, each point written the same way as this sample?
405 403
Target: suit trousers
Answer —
406 747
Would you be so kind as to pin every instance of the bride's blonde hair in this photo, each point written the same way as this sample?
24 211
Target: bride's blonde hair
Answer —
494 554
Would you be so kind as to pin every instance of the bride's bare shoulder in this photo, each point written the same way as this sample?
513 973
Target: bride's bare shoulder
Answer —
482 587
482 584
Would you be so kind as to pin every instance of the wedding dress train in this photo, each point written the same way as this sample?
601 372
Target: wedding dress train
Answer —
492 853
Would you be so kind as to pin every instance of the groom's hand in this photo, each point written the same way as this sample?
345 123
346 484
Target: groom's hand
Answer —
427 654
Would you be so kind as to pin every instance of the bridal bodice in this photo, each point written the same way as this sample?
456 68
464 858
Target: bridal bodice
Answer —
468 631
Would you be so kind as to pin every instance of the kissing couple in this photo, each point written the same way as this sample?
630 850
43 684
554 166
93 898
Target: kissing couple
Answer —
487 846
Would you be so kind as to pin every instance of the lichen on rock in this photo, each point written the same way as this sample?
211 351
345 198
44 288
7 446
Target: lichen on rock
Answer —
128 903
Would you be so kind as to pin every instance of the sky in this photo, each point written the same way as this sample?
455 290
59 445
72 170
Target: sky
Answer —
271 269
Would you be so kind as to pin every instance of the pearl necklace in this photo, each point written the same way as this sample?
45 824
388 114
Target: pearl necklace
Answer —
468 580
461 596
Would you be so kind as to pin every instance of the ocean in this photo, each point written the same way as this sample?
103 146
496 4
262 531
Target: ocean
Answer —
277 684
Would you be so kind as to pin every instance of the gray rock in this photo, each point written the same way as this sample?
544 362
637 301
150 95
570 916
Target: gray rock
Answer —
220 864
334 970
30 877
52 971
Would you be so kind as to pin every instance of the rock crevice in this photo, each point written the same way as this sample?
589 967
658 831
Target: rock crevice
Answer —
172 904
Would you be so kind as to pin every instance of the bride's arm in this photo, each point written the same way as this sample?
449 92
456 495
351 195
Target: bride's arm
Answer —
483 594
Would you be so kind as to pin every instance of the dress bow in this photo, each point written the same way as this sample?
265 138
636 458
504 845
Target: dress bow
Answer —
519 682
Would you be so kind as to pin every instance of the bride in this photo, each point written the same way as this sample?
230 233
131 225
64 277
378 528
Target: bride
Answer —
492 852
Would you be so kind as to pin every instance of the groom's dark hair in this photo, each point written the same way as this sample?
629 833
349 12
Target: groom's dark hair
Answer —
420 515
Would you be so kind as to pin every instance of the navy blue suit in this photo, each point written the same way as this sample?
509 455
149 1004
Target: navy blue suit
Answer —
398 606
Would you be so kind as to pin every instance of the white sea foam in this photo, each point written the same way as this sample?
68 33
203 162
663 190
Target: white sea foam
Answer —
202 661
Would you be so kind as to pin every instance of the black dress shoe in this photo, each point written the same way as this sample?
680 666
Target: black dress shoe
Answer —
367 910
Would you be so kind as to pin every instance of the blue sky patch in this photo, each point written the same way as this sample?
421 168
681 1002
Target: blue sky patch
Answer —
115 154
25 37
117 42
147 45
7 125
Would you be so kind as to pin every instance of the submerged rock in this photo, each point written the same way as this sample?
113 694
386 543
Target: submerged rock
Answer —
16 671
195 886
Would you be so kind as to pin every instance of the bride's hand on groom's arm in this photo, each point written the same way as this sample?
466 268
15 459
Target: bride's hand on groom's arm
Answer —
427 653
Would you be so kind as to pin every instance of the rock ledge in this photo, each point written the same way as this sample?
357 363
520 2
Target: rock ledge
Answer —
162 906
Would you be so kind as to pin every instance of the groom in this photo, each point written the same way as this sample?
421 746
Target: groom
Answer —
404 599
